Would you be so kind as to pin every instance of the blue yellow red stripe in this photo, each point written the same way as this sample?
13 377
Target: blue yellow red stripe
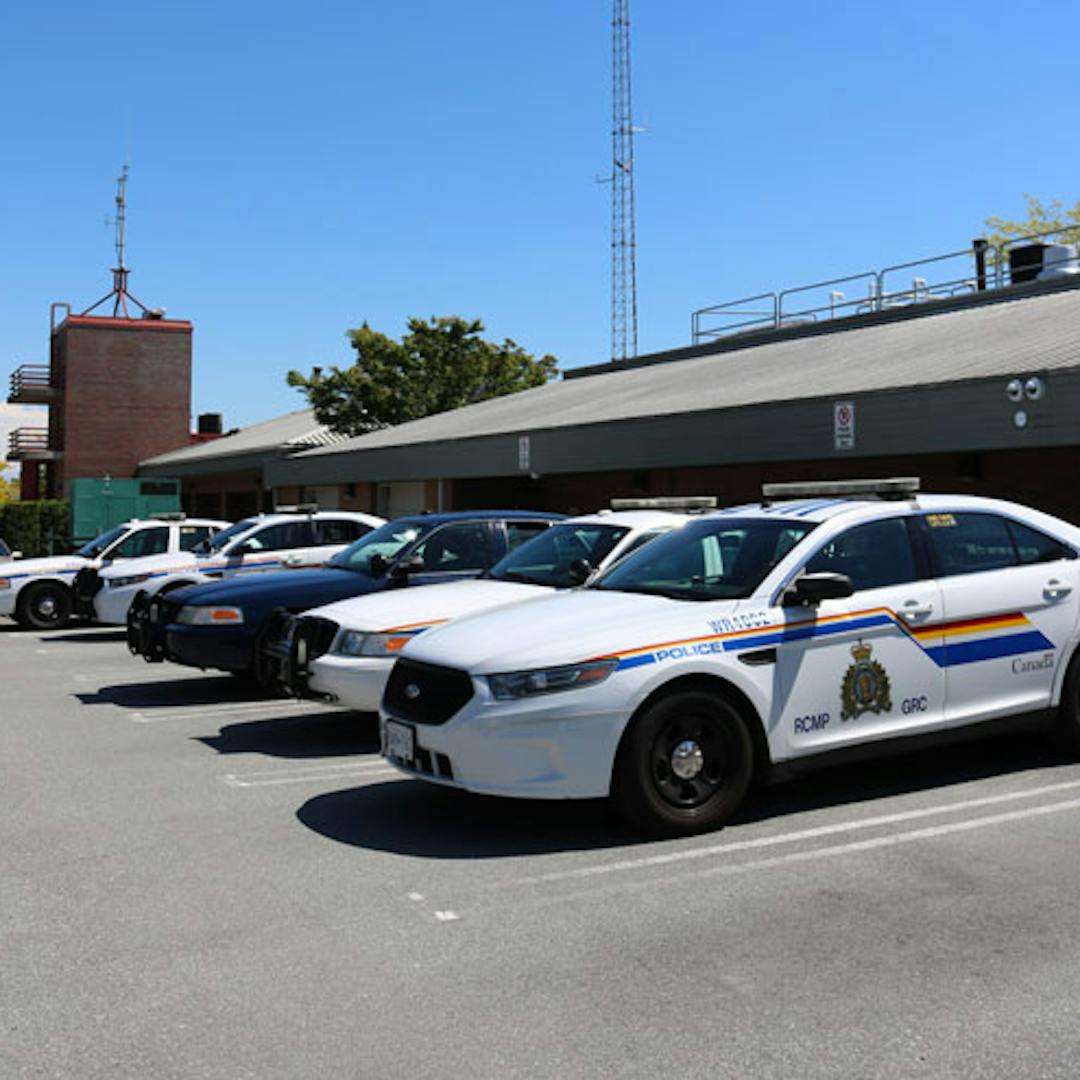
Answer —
985 638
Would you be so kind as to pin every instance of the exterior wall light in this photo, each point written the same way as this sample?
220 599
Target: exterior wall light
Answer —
1014 391
1034 389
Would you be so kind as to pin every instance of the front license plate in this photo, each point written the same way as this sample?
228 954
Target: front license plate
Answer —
400 741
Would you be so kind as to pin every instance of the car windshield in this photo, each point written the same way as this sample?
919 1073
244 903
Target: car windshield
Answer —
388 541
93 548
718 558
5 551
548 559
219 540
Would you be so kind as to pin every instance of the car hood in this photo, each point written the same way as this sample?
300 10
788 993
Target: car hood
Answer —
149 564
568 627
50 564
285 588
425 605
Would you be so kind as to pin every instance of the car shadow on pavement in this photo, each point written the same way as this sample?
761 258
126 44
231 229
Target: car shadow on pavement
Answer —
176 693
421 819
300 735
411 817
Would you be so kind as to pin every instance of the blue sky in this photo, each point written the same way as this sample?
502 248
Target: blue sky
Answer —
299 168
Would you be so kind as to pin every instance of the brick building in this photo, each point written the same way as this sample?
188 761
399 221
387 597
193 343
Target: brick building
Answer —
118 390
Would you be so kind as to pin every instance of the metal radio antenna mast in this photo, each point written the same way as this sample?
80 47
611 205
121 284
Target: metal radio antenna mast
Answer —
623 268
119 293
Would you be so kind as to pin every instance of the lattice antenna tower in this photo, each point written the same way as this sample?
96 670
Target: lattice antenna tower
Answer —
623 253
119 293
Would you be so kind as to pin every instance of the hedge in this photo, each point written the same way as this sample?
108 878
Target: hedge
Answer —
42 527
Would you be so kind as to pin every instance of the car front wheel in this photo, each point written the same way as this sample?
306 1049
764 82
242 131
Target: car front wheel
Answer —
685 764
46 606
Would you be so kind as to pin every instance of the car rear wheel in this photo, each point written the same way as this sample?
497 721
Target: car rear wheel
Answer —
45 606
685 764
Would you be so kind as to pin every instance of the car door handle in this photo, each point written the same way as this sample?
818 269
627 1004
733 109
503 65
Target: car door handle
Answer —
1056 590
913 610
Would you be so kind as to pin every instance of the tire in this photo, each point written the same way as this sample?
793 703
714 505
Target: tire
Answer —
1067 730
46 606
684 765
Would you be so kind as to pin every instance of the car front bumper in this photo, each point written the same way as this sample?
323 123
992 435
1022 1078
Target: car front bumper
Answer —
226 648
356 682
557 746
111 605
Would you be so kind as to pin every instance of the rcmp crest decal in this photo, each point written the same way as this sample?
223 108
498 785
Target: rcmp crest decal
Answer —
866 686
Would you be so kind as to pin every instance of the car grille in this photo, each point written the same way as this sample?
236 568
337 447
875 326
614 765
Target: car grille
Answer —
425 693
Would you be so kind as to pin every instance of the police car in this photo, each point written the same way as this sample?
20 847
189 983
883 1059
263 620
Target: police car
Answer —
39 594
754 640
366 633
298 539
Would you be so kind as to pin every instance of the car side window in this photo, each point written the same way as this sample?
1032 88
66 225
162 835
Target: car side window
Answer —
971 543
142 542
281 537
874 555
339 530
518 532
193 535
462 545
1033 546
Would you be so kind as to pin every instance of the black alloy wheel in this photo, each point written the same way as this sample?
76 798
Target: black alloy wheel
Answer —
45 606
685 764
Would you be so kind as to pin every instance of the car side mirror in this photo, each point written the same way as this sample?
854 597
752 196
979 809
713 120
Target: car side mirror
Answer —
580 569
412 565
813 588
377 565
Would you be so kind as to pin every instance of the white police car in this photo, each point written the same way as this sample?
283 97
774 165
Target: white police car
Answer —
751 639
284 540
368 632
39 593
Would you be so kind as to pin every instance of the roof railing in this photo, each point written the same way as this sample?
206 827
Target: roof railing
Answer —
981 267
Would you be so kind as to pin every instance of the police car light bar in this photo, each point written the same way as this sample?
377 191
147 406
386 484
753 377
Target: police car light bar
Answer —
893 487
689 503
168 516
299 508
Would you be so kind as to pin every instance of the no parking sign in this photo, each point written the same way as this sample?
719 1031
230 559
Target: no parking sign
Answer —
844 425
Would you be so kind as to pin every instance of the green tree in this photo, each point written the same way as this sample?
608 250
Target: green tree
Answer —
441 363
1041 218
9 486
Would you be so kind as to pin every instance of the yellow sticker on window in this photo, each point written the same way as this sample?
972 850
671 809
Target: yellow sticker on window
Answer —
940 521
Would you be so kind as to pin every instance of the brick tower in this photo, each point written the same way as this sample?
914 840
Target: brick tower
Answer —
118 389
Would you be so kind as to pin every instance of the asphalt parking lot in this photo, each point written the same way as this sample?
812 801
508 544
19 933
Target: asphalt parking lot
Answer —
195 882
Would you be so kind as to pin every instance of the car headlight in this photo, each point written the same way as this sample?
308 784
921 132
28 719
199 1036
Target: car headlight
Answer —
123 582
357 643
519 684
190 615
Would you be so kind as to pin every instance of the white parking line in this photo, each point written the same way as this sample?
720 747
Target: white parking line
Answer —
354 770
685 855
239 710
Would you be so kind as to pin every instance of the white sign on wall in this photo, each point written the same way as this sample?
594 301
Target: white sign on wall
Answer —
523 453
844 425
